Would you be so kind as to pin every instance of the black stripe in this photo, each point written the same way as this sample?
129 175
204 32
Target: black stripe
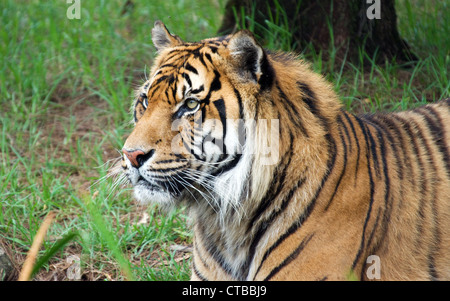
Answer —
166 93
165 66
175 52
275 188
268 74
347 134
388 208
402 161
369 210
228 166
433 249
373 148
215 84
208 57
198 90
381 143
189 67
160 79
138 107
173 187
211 247
241 106
383 122
188 147
439 136
202 61
291 257
292 111
263 226
134 115
195 52
432 200
174 93
170 160
393 126
344 145
197 272
357 143
369 243
196 249
183 91
154 89
310 207
309 98
187 78
166 170
421 179
220 106
213 49
372 235
198 123
379 122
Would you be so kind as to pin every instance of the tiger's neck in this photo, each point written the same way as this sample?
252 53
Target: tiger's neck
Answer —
233 246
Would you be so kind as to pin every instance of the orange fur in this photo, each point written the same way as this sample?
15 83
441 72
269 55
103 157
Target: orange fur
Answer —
344 187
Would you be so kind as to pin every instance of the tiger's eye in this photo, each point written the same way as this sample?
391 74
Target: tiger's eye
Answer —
192 103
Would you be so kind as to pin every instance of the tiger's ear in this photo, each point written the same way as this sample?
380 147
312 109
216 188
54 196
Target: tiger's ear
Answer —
246 54
162 38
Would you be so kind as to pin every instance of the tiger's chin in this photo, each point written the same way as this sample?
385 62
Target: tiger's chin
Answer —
147 193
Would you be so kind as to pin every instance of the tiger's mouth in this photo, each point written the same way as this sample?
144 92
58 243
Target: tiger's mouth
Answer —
143 183
159 191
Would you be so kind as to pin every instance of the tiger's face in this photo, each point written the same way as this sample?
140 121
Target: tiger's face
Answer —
188 121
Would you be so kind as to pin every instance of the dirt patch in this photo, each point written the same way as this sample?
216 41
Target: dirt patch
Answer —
69 121
68 132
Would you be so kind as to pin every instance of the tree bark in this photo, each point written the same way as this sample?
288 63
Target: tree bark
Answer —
341 26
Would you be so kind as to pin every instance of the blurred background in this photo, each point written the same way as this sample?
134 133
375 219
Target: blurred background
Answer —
68 72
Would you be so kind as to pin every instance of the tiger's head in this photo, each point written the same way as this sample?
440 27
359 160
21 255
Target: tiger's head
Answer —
190 139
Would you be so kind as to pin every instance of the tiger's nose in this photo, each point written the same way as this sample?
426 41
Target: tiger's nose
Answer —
138 157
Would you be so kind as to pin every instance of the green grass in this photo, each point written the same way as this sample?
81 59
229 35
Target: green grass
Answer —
66 88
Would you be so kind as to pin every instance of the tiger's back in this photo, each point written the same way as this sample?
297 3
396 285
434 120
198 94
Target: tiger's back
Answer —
411 175
337 195
381 211
385 204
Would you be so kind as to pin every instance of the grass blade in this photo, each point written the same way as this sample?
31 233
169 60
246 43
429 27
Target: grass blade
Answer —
109 238
49 254
26 272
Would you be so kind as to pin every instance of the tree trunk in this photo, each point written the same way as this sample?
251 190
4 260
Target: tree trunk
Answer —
343 26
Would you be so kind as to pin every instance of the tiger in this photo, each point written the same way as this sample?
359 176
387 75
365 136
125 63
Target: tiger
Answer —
281 182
